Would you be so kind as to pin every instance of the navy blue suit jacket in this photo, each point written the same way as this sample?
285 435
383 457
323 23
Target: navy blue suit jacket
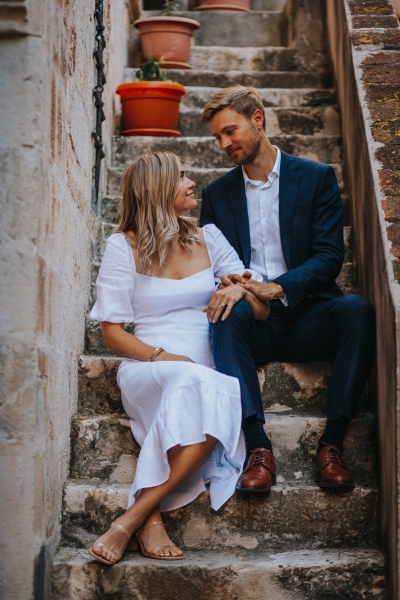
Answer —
310 218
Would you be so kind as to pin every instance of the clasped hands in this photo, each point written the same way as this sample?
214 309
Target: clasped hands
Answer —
234 288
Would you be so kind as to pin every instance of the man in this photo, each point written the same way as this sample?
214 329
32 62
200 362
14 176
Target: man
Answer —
283 216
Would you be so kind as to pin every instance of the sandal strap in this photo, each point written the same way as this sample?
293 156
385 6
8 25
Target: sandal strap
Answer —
139 531
123 529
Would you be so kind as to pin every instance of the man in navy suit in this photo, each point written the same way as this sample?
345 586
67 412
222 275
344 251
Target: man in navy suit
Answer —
283 216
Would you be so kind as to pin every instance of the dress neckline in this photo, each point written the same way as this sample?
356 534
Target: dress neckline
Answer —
172 278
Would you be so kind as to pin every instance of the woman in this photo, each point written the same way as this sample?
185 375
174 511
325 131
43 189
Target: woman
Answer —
158 271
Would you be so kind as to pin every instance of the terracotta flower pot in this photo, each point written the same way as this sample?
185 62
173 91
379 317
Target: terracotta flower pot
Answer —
150 107
235 5
167 37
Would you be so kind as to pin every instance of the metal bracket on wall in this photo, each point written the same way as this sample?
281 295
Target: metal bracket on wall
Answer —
98 94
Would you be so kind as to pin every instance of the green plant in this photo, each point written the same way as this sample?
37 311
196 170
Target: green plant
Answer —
170 8
150 71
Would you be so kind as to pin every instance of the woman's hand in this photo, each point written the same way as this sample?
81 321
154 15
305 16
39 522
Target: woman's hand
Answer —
164 355
223 300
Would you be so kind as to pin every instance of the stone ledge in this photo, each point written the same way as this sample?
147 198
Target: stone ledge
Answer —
103 447
290 517
204 152
284 386
356 574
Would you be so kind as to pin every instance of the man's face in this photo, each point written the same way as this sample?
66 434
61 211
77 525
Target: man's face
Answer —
239 138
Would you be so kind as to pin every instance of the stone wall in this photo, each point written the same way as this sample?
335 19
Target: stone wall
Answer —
364 38
47 227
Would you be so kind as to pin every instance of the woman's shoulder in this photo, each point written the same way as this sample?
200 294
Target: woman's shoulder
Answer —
213 234
118 240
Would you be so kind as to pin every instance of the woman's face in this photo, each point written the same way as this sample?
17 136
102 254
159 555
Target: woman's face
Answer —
184 199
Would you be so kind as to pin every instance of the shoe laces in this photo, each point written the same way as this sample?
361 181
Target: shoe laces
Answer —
334 455
256 458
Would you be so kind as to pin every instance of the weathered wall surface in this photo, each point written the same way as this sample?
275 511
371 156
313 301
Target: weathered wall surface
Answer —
47 226
364 39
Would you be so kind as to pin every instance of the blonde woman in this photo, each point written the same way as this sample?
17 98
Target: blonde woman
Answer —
158 271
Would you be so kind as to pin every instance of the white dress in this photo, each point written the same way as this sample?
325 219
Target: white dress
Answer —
171 403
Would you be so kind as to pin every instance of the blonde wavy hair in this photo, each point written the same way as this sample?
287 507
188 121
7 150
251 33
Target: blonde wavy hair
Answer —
150 185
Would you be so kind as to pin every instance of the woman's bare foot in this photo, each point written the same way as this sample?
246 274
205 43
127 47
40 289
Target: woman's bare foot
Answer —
110 546
155 542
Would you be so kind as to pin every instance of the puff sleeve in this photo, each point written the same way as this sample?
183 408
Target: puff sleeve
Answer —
224 258
115 283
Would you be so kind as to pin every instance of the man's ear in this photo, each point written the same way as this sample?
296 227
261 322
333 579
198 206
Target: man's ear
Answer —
257 119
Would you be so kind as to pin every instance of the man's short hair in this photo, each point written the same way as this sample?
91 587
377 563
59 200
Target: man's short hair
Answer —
244 100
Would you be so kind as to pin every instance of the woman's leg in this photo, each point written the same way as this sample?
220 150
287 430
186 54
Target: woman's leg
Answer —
184 461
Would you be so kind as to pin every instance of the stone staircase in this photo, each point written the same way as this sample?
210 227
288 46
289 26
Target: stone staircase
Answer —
299 542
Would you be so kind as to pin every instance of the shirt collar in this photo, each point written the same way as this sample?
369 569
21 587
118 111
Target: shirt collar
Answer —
276 170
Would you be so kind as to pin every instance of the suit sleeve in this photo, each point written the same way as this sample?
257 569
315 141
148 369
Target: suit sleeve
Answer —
206 213
327 246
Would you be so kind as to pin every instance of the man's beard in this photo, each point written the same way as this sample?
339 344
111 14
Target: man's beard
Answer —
252 152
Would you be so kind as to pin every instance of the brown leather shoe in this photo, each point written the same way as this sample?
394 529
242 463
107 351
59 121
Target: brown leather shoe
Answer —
332 473
259 474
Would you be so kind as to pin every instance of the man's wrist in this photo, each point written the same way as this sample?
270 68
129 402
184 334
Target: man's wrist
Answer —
279 291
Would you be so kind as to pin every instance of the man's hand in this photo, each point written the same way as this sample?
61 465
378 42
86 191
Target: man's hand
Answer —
223 300
265 291
235 278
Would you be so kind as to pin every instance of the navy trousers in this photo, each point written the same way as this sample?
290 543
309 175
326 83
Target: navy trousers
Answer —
341 329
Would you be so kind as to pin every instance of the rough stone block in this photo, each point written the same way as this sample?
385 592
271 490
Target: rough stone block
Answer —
375 38
391 207
371 7
375 21
390 182
290 517
313 574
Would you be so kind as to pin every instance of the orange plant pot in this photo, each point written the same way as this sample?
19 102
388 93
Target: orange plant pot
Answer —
167 37
231 5
150 107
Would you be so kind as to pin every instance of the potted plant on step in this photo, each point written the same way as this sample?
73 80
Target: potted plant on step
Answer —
168 35
150 106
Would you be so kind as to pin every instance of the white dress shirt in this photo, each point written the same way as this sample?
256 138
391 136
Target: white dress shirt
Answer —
263 210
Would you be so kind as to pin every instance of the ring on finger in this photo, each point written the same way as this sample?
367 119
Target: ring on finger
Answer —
222 305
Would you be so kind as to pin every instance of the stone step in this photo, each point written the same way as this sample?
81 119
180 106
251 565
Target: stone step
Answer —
103 447
317 121
293 388
234 29
201 177
260 79
357 573
197 97
267 4
203 152
290 517
219 58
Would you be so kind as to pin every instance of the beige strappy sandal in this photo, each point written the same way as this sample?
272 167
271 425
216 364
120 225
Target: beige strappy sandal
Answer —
152 554
104 560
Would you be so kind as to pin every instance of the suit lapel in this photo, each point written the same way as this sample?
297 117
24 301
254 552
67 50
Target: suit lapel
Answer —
236 197
289 181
